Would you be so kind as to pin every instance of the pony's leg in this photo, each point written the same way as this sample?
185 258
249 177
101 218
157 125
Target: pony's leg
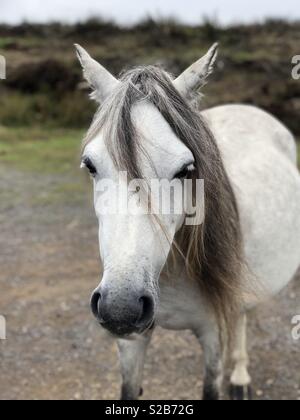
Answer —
240 379
132 357
214 357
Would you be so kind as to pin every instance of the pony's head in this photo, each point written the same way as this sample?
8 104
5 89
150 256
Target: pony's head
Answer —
147 128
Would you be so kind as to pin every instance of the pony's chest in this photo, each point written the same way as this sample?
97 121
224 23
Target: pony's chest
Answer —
181 305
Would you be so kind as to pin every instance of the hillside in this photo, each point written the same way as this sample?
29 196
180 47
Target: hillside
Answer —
44 76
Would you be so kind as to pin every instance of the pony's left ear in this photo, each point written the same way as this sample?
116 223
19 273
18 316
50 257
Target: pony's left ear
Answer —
100 80
192 79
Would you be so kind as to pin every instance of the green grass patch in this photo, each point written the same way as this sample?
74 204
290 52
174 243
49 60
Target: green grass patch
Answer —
45 151
41 150
52 157
6 42
68 109
71 193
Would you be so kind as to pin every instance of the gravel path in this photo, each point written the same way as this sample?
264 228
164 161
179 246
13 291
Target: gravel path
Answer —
49 266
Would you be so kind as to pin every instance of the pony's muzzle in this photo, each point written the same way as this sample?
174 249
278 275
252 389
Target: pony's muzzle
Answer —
123 314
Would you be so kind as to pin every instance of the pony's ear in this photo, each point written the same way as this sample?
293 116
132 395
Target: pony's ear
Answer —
100 80
192 79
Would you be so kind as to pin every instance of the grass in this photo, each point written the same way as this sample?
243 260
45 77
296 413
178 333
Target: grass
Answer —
49 151
5 42
51 155
50 158
45 151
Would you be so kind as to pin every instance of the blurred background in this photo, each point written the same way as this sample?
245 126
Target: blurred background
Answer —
48 243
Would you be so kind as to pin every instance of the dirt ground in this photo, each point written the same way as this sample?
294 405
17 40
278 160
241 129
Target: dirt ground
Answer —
54 349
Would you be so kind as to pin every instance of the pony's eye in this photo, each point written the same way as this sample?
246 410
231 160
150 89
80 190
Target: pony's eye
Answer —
185 172
86 162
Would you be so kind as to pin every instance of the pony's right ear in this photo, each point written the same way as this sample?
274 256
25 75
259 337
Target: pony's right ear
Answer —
100 80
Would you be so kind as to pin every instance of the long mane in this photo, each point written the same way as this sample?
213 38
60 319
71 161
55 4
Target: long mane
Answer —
212 252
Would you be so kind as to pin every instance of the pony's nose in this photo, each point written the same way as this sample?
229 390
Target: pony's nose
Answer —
123 315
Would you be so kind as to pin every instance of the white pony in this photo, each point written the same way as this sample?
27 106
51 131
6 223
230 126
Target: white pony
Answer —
248 246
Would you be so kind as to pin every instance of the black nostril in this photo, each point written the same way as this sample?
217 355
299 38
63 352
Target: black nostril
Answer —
147 311
95 304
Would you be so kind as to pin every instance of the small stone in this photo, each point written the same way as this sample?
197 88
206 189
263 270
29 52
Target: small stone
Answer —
64 307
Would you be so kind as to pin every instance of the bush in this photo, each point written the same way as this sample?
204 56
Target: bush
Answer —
49 75
210 30
75 110
16 109
69 110
93 29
